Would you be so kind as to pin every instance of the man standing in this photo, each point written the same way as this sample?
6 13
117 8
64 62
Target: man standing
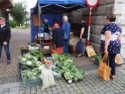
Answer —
66 29
83 34
5 35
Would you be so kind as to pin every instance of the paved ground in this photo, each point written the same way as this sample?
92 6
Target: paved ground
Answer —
91 84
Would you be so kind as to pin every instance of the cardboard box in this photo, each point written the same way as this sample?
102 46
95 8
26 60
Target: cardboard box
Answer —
35 18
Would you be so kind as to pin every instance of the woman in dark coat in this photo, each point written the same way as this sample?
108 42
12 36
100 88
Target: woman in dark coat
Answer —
58 38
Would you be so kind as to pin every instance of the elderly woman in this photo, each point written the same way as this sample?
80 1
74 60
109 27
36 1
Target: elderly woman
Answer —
110 41
58 38
66 30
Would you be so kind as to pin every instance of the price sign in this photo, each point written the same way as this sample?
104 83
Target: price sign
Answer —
90 51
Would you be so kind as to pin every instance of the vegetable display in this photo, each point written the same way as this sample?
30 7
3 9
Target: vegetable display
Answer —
31 74
65 64
45 61
28 60
36 53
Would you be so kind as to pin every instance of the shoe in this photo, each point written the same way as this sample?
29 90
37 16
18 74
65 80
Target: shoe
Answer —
113 77
8 61
83 54
79 55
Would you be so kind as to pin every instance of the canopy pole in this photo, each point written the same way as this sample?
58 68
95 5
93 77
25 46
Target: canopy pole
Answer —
89 23
39 14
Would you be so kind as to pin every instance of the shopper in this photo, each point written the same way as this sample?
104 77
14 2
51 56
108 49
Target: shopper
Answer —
58 38
110 41
83 34
66 30
45 26
5 35
54 22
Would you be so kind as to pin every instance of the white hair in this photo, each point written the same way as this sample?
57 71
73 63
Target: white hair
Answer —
65 18
2 18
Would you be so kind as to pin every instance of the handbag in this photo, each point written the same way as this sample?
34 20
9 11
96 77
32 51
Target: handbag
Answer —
104 69
65 36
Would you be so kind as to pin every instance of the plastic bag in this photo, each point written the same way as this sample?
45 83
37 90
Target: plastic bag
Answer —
47 78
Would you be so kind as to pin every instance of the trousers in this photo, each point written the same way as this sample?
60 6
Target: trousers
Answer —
112 63
66 46
6 47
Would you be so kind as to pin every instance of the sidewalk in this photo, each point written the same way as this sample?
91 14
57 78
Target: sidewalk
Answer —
91 83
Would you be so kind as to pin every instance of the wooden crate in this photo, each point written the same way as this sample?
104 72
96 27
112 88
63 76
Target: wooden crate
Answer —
73 48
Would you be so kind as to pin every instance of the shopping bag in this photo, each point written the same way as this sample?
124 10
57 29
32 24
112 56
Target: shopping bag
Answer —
80 47
104 69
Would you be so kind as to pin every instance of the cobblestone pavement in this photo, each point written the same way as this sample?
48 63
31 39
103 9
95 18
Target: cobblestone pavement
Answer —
91 83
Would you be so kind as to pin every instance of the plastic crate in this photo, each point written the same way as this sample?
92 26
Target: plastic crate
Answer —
46 43
73 48
25 67
31 82
71 81
97 60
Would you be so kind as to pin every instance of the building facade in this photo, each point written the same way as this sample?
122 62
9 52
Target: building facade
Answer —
5 7
99 14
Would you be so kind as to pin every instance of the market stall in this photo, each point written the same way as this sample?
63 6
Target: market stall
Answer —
52 9
37 68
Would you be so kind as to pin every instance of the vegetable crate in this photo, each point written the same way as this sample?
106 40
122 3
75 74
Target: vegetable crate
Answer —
97 60
71 81
24 51
73 48
25 67
31 82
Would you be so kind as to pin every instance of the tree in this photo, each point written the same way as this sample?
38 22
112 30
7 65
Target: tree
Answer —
18 13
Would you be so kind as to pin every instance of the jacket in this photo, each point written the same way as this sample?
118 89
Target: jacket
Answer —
5 34
66 28
58 37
